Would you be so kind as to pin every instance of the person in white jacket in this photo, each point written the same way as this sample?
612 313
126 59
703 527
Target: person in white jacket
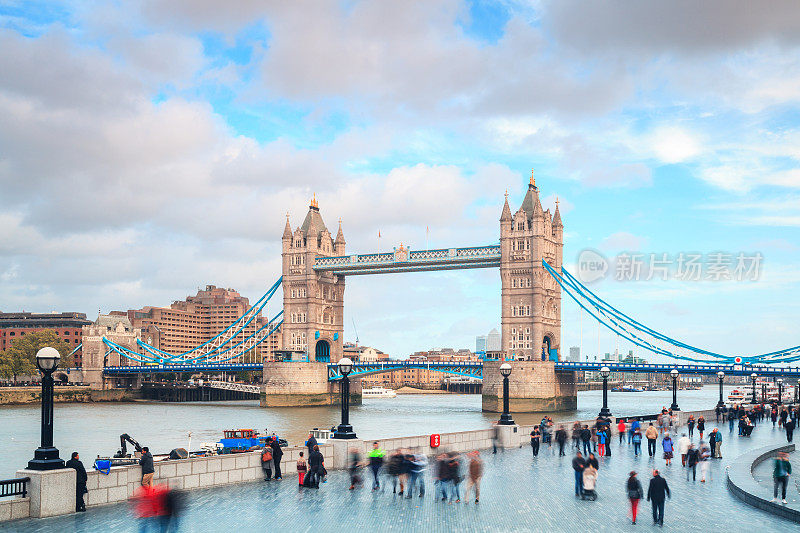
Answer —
683 448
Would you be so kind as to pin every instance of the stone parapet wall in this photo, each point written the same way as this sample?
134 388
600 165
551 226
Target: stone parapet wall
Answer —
15 509
187 474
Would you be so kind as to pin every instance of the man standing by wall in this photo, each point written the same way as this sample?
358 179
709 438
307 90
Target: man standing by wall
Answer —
80 481
147 467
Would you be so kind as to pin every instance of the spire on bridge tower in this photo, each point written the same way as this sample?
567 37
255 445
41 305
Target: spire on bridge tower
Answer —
531 204
338 244
557 217
287 230
506 215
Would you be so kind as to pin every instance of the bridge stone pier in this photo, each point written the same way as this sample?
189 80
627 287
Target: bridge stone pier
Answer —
533 386
297 384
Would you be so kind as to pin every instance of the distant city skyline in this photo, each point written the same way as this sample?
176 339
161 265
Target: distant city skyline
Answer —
152 148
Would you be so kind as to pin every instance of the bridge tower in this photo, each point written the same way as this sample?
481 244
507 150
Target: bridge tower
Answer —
313 319
531 299
530 311
313 303
96 356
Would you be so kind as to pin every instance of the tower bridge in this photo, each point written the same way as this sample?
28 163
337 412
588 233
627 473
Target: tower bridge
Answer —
315 266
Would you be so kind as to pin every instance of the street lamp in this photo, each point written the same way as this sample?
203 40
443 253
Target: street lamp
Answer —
721 376
780 391
505 418
46 455
674 374
345 430
753 377
604 373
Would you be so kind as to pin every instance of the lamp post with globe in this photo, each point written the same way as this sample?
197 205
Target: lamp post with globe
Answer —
721 376
674 374
46 455
505 418
604 373
345 430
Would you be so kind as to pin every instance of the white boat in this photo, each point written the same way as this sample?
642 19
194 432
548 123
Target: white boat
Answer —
378 392
736 396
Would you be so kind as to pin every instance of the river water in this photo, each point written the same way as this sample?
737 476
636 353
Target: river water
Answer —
94 428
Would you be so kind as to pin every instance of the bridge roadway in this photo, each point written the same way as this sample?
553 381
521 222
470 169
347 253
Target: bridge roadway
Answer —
470 368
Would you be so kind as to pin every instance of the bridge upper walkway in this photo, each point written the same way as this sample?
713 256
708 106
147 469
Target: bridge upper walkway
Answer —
405 260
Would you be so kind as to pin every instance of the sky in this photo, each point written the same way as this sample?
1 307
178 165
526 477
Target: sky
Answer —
150 148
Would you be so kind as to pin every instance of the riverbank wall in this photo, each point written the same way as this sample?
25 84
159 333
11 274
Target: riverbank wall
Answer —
25 395
219 470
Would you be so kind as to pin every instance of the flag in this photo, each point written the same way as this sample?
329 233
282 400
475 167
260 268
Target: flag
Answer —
379 234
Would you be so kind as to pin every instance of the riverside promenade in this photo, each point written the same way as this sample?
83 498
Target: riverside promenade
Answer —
518 493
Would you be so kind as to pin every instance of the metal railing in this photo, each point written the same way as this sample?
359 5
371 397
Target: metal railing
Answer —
14 487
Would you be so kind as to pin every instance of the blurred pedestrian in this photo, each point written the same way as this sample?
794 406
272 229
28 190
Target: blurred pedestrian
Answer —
394 467
376 456
267 462
535 439
657 493
637 442
666 443
277 455
316 468
692 458
635 493
602 438
475 475
780 476
789 427
578 465
561 439
652 436
705 459
715 443
454 466
622 429
302 468
586 437
592 460
418 465
354 468
683 447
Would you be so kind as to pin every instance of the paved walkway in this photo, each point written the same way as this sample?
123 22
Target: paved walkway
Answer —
520 493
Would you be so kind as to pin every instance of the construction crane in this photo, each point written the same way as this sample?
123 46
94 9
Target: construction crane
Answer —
355 330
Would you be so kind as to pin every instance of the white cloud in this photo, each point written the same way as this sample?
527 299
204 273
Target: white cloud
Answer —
672 144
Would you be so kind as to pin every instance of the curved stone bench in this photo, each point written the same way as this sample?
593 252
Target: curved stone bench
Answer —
744 486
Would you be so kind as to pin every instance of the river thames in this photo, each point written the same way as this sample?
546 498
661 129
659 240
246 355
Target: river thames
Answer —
94 428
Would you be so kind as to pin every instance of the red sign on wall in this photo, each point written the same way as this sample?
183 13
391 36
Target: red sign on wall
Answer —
435 440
